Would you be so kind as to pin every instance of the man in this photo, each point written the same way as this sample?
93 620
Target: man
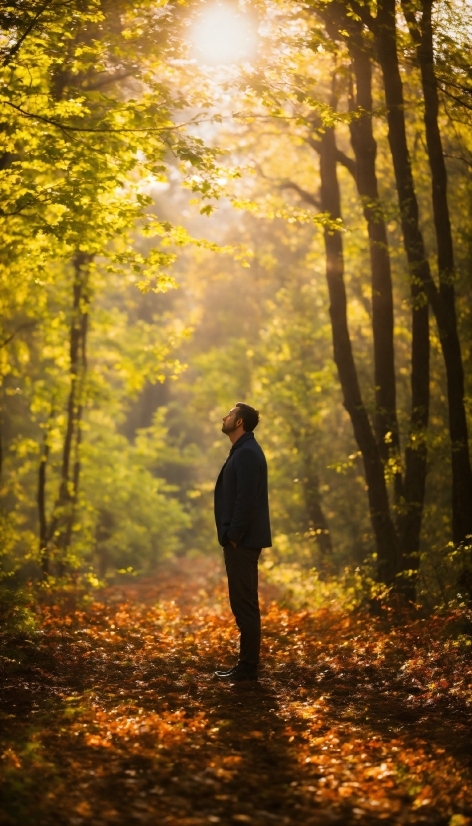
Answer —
242 522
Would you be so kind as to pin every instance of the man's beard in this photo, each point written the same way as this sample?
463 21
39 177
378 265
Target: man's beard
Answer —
228 428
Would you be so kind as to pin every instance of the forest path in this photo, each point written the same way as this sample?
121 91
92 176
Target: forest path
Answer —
114 717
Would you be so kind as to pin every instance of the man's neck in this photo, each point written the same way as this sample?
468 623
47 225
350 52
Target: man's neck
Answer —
235 435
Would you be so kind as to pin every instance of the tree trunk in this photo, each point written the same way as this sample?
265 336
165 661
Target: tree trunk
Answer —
410 489
316 517
414 485
410 492
461 470
384 530
311 493
82 367
103 531
442 299
60 529
365 151
43 525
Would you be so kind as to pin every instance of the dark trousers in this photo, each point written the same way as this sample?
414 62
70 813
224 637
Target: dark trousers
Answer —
241 569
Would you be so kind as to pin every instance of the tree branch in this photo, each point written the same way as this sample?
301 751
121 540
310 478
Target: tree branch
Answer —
459 158
364 14
413 25
341 157
346 161
466 89
457 99
23 326
66 128
108 79
304 195
15 49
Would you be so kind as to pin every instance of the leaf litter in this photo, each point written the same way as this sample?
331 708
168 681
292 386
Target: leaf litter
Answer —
113 716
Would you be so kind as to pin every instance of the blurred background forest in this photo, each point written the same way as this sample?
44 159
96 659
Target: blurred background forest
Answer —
197 201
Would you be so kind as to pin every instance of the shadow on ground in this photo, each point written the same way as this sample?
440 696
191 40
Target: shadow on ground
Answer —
112 716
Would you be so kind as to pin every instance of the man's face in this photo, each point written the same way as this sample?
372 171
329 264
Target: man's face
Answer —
231 421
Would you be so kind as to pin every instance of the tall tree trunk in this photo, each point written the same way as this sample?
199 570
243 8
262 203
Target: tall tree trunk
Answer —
365 151
76 448
410 491
41 499
461 469
414 485
311 493
60 529
384 530
442 299
316 516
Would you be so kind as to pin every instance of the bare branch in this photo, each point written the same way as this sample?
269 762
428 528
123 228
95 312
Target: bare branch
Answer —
304 195
466 89
458 100
467 161
23 326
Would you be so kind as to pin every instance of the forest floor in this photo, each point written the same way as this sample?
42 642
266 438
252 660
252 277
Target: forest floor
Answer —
111 714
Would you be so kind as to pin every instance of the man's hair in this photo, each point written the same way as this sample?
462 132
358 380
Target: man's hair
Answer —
249 415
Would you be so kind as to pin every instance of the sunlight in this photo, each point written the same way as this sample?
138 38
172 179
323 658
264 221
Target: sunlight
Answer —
223 35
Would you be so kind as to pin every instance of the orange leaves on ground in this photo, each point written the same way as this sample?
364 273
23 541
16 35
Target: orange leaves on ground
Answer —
125 723
115 717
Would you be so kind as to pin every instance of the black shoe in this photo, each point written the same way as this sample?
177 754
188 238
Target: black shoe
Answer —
238 674
225 672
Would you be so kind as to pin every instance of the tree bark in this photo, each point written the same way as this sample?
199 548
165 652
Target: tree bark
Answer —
442 299
77 440
310 481
41 498
384 530
365 151
410 490
316 517
60 529
461 469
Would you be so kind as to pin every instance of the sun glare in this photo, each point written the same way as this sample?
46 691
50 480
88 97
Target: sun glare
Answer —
223 34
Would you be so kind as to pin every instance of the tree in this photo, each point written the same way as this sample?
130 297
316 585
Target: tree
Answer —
90 103
386 539
441 298
409 487
422 35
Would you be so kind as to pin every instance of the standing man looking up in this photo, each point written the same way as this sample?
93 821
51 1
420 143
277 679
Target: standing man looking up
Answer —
242 522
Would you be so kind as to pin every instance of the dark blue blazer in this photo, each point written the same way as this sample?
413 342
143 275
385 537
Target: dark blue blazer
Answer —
241 496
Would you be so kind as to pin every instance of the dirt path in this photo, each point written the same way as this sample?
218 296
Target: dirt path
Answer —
113 716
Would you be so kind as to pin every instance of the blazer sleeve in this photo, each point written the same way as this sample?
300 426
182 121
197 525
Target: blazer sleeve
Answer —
248 469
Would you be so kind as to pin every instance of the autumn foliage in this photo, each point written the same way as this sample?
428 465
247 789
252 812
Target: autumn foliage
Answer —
111 713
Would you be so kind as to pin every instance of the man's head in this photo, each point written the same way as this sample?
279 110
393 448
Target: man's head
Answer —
242 418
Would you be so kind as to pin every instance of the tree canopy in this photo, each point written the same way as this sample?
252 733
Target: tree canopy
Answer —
331 165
